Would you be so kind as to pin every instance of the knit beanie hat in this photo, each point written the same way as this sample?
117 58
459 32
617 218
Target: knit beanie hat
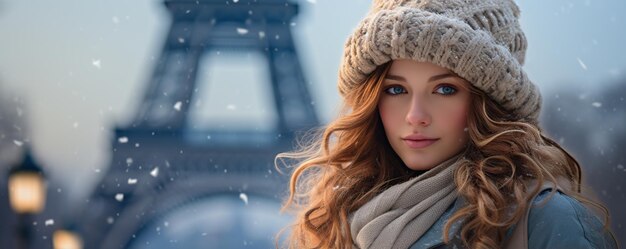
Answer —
479 40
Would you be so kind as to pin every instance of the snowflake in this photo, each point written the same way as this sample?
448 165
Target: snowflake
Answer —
582 64
155 172
242 31
244 198
18 143
123 140
178 105
96 63
49 222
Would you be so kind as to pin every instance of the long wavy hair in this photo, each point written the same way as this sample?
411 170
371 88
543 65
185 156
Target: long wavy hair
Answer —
337 169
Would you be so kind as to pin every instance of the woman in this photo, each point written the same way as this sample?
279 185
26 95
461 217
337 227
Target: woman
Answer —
438 143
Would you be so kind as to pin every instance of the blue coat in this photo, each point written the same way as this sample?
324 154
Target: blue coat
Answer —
563 222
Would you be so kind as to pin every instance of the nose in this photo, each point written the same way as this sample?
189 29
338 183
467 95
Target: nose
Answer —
418 114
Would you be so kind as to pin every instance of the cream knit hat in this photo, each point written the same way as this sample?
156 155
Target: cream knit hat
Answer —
480 40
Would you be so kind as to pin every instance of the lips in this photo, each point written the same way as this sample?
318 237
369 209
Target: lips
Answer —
419 141
418 137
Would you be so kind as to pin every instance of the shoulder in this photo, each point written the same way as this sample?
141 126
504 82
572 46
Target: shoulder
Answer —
562 221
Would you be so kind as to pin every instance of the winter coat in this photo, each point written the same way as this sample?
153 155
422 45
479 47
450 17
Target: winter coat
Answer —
562 222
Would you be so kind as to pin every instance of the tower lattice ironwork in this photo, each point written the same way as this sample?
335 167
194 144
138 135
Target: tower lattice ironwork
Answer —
156 167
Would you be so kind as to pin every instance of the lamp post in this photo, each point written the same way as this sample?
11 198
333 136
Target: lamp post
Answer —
27 195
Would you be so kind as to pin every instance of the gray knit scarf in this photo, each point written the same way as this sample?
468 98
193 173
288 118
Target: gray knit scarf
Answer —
400 215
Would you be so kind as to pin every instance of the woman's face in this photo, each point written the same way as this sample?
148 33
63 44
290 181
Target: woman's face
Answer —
423 108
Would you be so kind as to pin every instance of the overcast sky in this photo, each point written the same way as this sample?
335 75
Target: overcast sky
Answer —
82 66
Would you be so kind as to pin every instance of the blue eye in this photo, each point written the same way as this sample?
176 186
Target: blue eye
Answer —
446 90
395 90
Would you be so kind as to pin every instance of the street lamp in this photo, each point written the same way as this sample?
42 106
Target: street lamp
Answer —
66 239
27 194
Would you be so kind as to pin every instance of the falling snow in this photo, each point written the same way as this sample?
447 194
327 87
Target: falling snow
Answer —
49 222
242 31
582 64
18 143
605 104
155 172
96 63
123 140
244 198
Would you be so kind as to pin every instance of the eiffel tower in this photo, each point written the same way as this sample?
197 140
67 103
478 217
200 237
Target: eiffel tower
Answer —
156 167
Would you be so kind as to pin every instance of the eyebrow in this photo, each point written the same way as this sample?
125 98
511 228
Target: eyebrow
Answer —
433 78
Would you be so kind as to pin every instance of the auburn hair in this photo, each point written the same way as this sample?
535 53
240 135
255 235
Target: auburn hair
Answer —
339 168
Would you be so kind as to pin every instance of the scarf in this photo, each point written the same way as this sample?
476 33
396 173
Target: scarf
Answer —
400 215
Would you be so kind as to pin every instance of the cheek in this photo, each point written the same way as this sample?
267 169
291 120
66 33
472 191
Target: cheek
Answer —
460 119
460 125
388 114
456 118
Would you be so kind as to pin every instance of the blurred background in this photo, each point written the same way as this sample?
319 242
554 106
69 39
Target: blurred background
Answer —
128 160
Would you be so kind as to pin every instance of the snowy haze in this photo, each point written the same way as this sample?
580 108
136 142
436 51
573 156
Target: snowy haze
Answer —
82 66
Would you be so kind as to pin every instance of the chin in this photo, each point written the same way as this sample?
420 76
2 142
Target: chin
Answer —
419 165
423 161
